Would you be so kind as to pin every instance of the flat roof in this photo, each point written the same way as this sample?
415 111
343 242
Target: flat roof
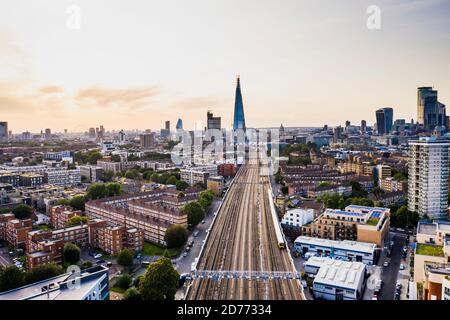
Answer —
356 246
427 228
338 273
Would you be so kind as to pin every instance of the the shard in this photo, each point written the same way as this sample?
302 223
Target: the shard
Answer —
239 118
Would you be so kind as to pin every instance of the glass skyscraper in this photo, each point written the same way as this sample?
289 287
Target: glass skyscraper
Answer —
430 112
239 118
179 124
385 118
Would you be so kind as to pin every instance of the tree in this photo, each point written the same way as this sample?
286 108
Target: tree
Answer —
132 174
11 277
71 253
76 221
176 236
23 211
114 189
86 265
106 176
195 212
124 281
155 177
97 191
43 272
357 189
132 294
115 158
172 180
78 203
181 185
93 157
206 198
285 190
160 281
125 258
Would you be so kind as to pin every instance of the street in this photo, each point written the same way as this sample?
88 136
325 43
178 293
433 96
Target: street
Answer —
5 260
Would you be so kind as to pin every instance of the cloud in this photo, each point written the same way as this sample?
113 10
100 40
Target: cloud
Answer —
102 97
51 90
195 103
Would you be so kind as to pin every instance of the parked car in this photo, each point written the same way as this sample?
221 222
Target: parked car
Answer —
99 261
196 233
185 254
98 256
402 266
386 264
203 221
374 297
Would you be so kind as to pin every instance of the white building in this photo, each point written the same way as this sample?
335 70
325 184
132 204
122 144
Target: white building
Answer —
63 177
428 176
335 279
364 252
193 175
296 218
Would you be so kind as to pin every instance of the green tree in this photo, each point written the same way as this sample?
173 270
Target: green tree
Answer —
124 281
93 157
78 203
76 221
114 189
11 277
155 177
357 189
132 294
206 198
125 258
97 191
23 211
71 254
285 190
172 180
176 236
43 272
132 174
106 176
160 281
181 185
195 212
115 158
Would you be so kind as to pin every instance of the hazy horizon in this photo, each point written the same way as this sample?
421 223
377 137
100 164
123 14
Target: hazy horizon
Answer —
134 65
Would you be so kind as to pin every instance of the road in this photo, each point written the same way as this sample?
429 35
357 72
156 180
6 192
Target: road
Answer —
389 274
243 239
5 260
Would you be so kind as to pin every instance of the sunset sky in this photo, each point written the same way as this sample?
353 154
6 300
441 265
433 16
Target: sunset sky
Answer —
135 63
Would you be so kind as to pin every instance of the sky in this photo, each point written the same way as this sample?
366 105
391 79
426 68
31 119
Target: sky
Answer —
134 64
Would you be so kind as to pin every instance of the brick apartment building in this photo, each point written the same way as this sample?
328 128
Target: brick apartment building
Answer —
13 230
61 215
150 212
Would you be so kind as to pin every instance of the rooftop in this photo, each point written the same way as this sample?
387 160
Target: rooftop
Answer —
358 246
429 250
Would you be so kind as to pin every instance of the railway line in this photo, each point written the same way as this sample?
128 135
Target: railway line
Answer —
243 239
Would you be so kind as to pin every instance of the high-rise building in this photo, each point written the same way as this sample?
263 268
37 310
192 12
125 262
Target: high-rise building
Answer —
384 118
147 140
179 124
363 126
428 176
213 122
3 131
430 112
48 133
167 125
337 134
239 118
92 133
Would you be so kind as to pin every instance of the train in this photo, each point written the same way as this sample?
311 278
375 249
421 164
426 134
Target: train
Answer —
281 242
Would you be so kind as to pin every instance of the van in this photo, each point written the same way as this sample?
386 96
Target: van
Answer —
196 233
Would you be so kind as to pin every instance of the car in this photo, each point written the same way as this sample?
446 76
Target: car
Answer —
98 256
398 285
99 261
402 266
191 243
139 256
109 264
203 221
374 297
196 233
185 254
386 264
188 249
11 253
397 296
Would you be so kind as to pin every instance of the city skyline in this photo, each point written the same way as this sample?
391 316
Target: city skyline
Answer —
106 74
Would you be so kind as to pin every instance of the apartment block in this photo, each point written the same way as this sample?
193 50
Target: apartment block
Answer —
199 174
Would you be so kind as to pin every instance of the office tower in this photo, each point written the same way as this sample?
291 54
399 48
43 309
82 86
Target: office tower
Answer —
92 133
430 112
399 125
101 132
239 118
26 135
122 136
213 122
428 176
337 134
347 124
48 133
179 124
147 140
65 131
3 131
363 126
384 118
167 126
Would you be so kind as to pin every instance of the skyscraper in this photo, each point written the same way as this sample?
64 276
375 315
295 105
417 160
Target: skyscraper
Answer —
179 124
363 126
430 112
213 122
3 131
428 176
239 118
384 118
168 125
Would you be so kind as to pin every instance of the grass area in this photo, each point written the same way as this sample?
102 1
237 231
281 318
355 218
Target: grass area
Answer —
429 250
372 221
151 249
117 289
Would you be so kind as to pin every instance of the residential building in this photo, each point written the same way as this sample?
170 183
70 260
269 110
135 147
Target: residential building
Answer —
390 184
92 173
294 219
226 170
31 179
14 231
198 174
213 123
216 184
147 140
109 166
63 177
428 168
92 284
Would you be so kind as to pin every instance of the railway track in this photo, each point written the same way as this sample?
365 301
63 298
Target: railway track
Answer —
243 239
